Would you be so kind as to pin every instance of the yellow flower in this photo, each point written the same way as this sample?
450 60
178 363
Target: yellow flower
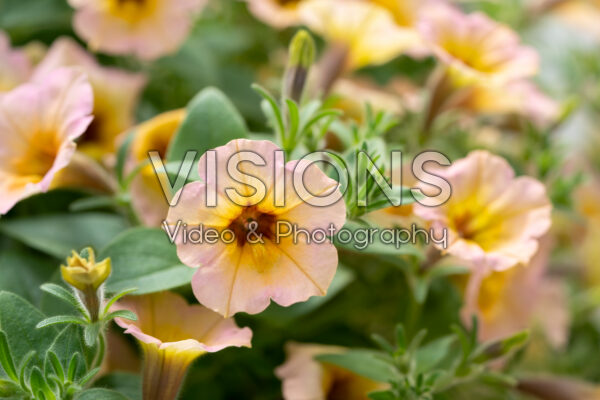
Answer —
173 334
366 32
306 378
146 194
82 271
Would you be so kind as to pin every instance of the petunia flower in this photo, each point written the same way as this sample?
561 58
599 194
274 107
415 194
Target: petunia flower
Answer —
277 13
146 28
147 197
513 98
492 219
476 48
244 274
173 334
15 67
116 93
39 123
304 378
511 301
364 32
580 14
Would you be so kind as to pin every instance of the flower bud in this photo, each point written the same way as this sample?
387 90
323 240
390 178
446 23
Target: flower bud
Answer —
301 58
82 271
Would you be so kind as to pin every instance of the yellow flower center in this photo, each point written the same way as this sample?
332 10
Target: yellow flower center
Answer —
403 11
341 384
39 157
132 11
470 54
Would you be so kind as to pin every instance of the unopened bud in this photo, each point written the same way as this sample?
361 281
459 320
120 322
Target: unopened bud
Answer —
86 275
83 272
301 58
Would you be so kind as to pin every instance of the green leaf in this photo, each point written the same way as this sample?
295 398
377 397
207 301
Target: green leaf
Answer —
211 121
429 356
64 294
357 242
23 271
68 343
24 366
58 368
146 259
122 156
8 388
87 377
125 383
58 234
18 319
100 394
500 348
6 360
38 383
274 111
60 319
74 364
121 314
116 298
90 333
366 363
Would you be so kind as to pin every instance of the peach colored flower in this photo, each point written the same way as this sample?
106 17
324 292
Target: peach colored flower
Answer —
116 93
518 97
147 196
476 48
305 378
277 13
366 31
581 14
245 274
173 334
511 301
39 123
15 67
492 218
146 28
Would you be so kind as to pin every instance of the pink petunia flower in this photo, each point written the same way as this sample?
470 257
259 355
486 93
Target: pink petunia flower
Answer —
245 274
39 123
116 93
